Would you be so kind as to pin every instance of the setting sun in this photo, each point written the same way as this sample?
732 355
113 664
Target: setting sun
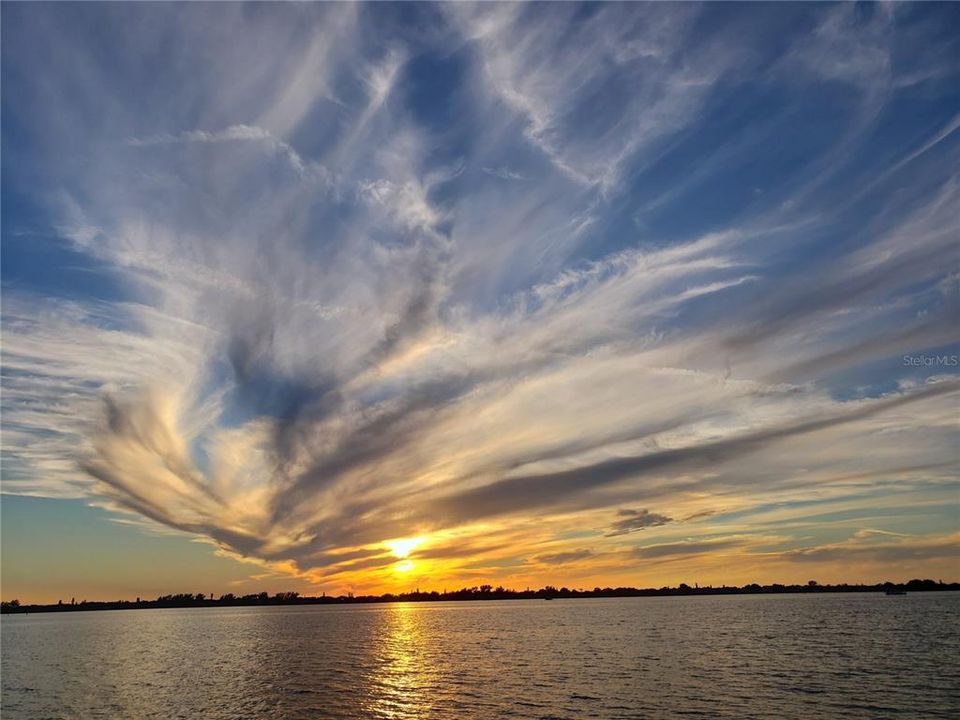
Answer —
402 547
405 566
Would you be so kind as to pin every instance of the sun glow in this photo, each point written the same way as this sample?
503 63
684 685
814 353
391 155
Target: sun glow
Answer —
402 547
404 566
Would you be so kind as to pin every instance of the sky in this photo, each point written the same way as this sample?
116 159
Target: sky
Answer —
365 298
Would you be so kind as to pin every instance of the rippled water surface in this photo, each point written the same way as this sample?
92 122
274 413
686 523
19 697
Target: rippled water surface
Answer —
739 656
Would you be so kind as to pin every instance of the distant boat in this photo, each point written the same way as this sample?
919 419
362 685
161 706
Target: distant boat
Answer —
548 598
895 591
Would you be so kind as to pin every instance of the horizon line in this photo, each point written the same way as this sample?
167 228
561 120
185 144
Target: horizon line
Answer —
479 592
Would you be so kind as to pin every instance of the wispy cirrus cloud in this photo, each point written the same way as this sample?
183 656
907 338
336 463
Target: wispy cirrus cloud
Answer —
880 552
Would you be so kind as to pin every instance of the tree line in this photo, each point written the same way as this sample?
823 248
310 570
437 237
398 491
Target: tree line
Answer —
479 592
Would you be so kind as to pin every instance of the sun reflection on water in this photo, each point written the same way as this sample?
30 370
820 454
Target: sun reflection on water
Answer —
406 668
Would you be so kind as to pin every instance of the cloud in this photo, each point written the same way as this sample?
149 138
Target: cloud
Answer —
327 327
528 492
504 173
915 549
308 76
239 133
234 132
564 557
656 78
867 533
666 551
849 47
636 520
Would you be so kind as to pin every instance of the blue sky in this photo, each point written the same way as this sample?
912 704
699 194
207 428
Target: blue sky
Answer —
579 293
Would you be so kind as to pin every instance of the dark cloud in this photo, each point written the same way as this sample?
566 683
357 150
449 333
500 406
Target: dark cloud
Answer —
419 310
371 562
564 557
636 520
542 490
698 515
379 432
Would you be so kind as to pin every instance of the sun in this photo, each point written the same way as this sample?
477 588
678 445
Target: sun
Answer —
402 547
402 567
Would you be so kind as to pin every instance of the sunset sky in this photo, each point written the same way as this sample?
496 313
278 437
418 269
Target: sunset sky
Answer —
368 298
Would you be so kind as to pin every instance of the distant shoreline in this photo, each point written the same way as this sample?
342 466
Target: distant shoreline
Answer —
480 593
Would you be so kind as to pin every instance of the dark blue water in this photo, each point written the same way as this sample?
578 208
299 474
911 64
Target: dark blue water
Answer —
783 656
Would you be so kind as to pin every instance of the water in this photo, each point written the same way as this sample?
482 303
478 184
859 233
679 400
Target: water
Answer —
797 656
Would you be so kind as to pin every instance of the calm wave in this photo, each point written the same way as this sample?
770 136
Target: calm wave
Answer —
743 656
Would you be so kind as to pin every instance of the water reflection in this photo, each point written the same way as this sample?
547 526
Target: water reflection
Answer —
407 668
858 656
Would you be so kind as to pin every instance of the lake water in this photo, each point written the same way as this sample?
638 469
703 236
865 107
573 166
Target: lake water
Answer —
773 656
